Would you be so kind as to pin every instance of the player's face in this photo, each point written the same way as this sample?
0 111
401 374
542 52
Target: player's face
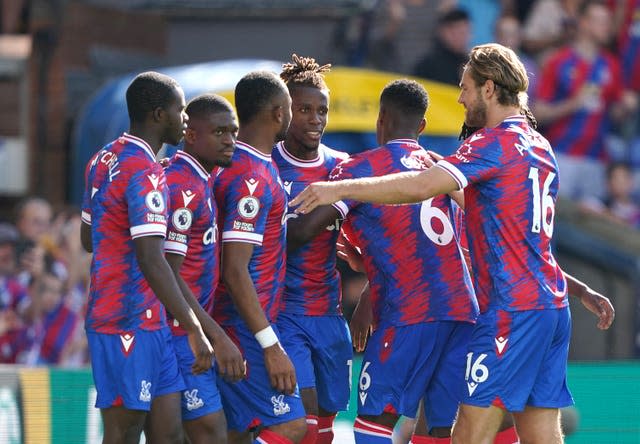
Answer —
213 138
475 109
176 119
310 109
284 102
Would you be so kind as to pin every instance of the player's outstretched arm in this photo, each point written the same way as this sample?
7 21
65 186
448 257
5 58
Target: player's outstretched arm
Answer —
592 300
303 229
236 277
398 188
231 365
156 270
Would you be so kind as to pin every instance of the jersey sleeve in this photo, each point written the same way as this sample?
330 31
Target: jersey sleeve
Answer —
146 197
180 216
351 168
88 190
476 160
247 202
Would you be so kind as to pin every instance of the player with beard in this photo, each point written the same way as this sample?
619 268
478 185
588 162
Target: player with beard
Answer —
311 324
517 357
192 251
253 205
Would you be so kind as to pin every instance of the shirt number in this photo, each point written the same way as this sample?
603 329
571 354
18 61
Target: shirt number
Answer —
427 214
543 205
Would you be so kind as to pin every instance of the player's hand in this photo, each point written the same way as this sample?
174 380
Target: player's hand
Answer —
433 158
280 369
361 323
315 195
349 253
598 305
202 350
231 366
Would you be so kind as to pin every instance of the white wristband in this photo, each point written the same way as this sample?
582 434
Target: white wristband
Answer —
266 337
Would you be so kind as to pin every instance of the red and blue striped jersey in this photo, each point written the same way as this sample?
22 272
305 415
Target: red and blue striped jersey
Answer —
510 179
191 230
629 46
564 76
411 253
125 198
312 283
252 206
59 328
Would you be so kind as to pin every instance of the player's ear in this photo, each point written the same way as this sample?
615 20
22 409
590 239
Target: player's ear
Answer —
158 114
189 135
277 113
422 125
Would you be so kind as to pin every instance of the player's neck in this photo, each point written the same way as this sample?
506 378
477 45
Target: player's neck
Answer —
154 140
298 151
586 47
499 113
260 140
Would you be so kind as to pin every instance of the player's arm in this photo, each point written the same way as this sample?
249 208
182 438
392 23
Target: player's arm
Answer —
592 300
302 229
230 363
235 274
85 237
361 323
158 273
398 188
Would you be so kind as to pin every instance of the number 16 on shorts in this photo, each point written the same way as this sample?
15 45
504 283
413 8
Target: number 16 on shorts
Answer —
476 372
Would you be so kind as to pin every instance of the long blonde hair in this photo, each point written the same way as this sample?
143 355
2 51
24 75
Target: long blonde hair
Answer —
502 66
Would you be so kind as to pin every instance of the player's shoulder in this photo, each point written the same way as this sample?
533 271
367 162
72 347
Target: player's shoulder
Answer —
332 153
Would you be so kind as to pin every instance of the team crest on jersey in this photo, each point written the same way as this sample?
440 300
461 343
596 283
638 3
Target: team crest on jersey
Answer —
145 391
413 163
279 406
155 201
248 207
193 402
182 219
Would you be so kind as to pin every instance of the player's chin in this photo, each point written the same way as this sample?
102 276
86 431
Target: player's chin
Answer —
224 163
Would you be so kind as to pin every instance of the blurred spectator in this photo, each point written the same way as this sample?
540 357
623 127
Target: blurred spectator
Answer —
444 62
627 22
518 8
509 33
33 218
579 90
618 204
13 296
483 15
550 24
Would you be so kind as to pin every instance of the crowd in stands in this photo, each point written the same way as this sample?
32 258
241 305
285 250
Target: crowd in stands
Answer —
44 275
583 57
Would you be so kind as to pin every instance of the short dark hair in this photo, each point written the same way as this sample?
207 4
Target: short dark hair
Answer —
452 16
206 104
407 96
148 91
254 92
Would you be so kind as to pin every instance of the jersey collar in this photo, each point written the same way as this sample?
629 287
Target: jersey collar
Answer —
251 150
141 143
193 162
293 160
